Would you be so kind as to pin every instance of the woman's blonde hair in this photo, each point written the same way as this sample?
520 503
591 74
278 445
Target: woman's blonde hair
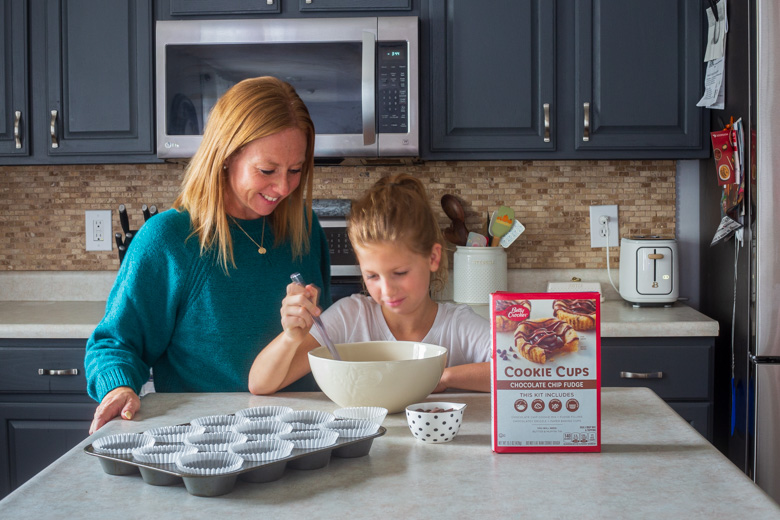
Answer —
251 109
397 209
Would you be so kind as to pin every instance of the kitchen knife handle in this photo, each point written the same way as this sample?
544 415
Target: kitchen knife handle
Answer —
586 122
123 218
641 375
53 129
546 108
655 256
58 372
145 211
17 124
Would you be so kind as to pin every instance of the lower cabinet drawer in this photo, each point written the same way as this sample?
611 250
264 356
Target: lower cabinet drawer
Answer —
673 371
49 370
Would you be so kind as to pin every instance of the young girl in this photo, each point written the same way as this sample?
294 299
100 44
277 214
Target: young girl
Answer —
398 245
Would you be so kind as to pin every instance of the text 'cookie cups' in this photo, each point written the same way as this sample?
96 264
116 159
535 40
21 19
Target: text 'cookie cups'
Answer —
435 422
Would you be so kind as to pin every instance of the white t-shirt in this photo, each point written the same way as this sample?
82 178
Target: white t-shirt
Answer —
463 332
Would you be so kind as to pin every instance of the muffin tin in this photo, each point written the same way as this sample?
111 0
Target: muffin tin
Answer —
167 474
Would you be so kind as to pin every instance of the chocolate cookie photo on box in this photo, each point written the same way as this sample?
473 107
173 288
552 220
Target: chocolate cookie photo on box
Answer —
544 328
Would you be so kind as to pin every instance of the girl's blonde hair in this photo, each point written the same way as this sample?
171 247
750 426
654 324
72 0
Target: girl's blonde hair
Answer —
251 109
397 209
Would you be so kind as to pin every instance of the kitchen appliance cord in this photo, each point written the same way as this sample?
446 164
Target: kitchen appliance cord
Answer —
608 271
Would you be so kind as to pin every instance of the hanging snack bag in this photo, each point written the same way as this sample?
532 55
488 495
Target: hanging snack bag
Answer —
546 372
723 153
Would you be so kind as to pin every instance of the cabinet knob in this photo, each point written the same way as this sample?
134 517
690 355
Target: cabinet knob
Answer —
58 372
53 129
546 108
17 123
641 375
586 123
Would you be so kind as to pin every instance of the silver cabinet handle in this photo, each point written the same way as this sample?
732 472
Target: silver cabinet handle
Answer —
53 129
308 1
269 2
367 87
58 372
586 129
641 375
546 108
17 122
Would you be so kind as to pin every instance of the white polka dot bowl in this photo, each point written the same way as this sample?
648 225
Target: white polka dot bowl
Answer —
435 422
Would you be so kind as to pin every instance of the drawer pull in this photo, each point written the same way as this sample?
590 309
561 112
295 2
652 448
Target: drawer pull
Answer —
641 375
58 372
655 256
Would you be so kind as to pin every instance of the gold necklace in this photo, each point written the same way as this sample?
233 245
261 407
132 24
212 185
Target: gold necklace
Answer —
260 248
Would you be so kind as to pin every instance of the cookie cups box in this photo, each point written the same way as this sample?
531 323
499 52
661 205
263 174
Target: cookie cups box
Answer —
546 372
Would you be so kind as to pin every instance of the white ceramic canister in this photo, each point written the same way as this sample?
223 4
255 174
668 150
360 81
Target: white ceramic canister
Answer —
477 272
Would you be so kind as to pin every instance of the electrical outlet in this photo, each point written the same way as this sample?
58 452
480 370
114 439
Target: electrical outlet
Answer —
98 230
599 231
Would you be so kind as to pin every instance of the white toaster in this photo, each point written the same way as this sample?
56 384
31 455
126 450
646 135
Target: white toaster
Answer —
648 270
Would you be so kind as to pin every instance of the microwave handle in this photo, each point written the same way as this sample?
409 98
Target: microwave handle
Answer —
368 88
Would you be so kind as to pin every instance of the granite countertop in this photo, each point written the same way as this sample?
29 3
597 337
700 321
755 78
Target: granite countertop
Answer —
77 319
653 464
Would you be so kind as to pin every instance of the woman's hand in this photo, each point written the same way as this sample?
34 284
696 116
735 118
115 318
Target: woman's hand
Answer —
298 307
121 401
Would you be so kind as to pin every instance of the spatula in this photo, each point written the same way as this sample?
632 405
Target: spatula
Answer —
515 231
476 240
505 217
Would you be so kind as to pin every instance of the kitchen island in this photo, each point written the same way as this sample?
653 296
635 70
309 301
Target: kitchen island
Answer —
652 465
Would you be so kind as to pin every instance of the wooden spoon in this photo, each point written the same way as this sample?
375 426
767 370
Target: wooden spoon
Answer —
457 232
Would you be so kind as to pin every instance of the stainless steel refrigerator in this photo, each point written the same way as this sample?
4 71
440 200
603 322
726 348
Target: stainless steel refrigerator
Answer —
741 284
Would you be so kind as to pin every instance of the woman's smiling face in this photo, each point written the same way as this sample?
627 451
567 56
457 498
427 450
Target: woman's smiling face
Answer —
264 172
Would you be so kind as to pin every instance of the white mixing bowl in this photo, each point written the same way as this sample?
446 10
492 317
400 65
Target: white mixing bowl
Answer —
390 374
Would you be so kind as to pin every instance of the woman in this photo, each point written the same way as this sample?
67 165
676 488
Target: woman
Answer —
197 295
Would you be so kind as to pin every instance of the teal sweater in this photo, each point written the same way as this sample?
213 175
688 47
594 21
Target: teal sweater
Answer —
177 312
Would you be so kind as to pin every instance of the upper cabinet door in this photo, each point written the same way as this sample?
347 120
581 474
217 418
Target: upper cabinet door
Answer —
98 78
14 107
491 81
638 73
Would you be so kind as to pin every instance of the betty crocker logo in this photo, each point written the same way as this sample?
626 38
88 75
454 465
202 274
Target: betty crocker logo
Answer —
518 313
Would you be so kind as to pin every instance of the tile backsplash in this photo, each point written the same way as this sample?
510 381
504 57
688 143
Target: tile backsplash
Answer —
42 207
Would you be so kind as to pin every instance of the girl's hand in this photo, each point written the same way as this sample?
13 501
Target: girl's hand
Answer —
298 307
121 401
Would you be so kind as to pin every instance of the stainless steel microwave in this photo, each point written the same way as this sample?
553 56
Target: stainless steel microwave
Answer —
357 76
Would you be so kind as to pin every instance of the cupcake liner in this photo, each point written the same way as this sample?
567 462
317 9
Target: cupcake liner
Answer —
306 419
214 441
162 453
351 427
121 443
174 434
263 413
262 430
218 423
262 451
375 414
209 463
310 439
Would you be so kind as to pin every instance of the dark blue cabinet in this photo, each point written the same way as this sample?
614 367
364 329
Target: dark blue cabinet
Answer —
90 81
14 105
44 407
563 79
